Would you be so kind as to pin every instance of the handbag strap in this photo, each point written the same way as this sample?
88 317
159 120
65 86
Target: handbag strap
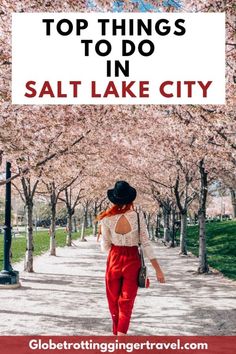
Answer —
139 243
139 240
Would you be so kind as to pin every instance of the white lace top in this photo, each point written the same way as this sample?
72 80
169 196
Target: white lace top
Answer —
109 236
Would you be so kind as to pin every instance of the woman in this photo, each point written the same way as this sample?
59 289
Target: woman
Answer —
119 228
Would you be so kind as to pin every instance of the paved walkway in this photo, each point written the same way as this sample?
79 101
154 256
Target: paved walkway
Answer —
66 296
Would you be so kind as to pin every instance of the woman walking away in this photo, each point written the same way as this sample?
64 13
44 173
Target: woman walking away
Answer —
121 235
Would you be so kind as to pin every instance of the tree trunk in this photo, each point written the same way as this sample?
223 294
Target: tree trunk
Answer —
95 229
183 233
233 200
85 218
166 219
90 224
145 216
95 224
53 230
203 264
148 222
75 224
173 229
151 232
69 229
157 230
28 267
83 229
85 223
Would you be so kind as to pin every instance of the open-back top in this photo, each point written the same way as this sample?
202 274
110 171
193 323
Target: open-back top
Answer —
131 238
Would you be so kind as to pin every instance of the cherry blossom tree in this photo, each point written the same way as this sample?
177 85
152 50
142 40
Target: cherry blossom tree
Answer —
72 196
171 154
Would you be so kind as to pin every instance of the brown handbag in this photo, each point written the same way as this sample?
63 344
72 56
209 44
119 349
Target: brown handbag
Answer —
143 280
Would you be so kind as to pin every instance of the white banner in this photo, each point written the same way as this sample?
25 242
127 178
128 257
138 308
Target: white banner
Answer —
121 58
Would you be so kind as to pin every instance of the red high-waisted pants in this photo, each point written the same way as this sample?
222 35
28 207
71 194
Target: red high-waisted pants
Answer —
123 265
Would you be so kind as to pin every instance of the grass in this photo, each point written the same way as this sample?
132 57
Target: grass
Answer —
41 243
221 245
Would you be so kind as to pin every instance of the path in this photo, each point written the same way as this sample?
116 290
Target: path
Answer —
66 296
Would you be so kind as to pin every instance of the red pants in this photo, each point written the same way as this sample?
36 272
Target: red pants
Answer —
123 265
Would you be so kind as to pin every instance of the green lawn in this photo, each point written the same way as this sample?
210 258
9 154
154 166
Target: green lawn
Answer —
221 245
41 244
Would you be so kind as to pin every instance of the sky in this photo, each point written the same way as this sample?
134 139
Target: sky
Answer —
143 6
